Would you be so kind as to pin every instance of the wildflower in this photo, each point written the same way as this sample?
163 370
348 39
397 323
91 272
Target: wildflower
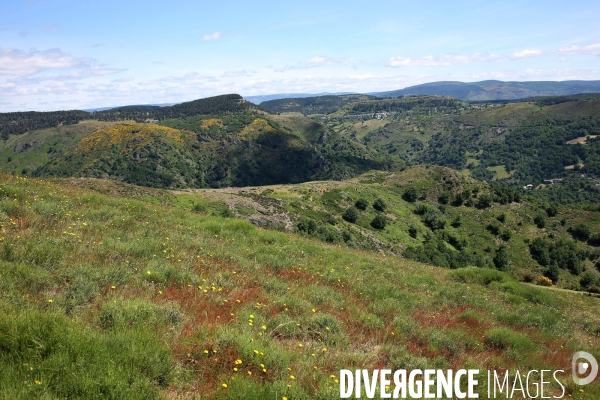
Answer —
249 372
50 301
299 344
148 272
224 385
264 328
113 287
38 382
292 377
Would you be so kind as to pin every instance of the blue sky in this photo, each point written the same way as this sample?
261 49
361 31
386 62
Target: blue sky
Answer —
67 54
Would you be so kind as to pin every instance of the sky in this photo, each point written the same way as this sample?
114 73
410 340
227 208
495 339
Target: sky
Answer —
78 54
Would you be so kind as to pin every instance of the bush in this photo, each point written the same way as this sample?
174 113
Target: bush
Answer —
588 279
501 258
540 221
444 198
361 204
594 240
379 205
552 210
544 281
434 220
552 272
484 201
501 218
351 215
412 231
581 232
410 194
379 222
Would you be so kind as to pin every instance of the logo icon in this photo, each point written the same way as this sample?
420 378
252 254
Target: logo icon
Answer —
590 365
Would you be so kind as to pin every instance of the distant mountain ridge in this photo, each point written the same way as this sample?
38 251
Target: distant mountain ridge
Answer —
495 90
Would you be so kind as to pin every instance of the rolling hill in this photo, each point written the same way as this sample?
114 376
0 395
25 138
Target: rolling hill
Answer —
129 296
496 90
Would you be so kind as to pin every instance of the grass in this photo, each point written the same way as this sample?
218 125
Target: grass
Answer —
120 297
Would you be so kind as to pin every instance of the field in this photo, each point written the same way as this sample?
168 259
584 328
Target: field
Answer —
128 295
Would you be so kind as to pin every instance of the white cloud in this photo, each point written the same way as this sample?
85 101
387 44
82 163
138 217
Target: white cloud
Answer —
590 49
214 36
17 62
361 77
527 53
442 60
316 60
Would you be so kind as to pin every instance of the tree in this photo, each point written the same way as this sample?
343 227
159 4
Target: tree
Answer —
379 222
361 204
501 258
351 215
552 272
412 231
379 205
410 194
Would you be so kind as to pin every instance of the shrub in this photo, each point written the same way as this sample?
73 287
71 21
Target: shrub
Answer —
501 258
588 279
540 221
351 215
410 194
581 232
552 210
412 231
361 204
444 198
501 217
594 240
552 272
379 222
544 281
484 201
379 205
434 220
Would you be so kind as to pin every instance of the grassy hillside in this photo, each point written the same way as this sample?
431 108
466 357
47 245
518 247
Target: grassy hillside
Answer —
122 297
432 214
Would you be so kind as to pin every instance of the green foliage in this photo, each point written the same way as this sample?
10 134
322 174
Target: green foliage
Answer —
351 215
412 231
379 205
361 204
501 258
562 252
410 194
379 222
581 232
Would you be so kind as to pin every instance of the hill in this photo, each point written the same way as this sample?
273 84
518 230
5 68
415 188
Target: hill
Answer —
236 149
430 214
496 90
312 105
130 298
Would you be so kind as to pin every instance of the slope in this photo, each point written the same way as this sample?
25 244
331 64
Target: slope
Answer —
496 90
136 300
